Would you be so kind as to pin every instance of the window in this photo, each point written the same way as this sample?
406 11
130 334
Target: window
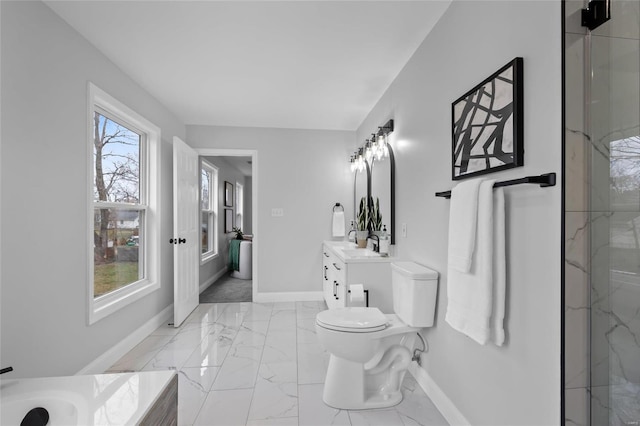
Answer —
124 214
239 205
208 211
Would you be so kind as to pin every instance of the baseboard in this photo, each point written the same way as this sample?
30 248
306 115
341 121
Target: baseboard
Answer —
447 408
205 285
107 359
290 296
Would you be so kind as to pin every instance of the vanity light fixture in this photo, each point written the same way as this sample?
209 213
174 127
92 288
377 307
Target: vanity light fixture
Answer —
368 151
373 149
361 160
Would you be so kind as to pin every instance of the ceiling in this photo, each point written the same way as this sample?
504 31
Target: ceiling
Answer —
290 64
243 164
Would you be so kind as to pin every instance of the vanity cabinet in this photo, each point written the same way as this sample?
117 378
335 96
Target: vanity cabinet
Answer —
333 279
341 268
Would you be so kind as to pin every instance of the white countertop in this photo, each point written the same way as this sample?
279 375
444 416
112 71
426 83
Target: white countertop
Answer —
350 253
102 399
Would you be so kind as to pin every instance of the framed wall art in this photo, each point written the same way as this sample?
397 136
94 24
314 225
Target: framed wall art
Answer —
228 220
487 125
228 194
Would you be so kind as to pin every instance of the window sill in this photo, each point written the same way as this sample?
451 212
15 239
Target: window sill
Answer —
208 258
106 305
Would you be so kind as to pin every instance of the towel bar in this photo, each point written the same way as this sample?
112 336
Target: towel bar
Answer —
544 180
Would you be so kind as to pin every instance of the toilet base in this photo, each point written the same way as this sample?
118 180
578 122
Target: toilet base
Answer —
345 388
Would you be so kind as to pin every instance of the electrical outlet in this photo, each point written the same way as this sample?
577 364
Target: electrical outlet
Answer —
404 229
279 212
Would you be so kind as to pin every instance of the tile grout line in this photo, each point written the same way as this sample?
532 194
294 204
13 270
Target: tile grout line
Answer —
253 390
214 379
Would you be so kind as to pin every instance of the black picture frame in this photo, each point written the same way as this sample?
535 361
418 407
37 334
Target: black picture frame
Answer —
228 194
228 220
487 125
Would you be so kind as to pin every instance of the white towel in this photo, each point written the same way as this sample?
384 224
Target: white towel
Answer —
474 296
499 268
462 224
338 224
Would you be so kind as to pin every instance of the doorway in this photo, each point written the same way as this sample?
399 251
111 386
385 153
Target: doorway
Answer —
232 274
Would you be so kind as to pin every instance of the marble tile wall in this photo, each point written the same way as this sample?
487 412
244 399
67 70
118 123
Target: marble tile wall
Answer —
602 217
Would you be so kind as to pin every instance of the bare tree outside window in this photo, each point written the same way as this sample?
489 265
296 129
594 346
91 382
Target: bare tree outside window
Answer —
117 153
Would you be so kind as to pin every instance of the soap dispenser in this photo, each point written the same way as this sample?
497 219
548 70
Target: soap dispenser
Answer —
384 242
351 236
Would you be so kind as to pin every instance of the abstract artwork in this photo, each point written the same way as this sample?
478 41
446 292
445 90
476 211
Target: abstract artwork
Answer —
487 125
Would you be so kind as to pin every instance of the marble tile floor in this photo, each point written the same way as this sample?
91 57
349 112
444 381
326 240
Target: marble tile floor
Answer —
259 364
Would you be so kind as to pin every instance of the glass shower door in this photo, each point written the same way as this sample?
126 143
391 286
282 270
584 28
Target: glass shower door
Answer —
613 116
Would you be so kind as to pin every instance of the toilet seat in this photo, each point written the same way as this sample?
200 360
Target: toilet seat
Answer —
353 320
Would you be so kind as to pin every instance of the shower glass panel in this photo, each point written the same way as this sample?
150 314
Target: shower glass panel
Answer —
613 114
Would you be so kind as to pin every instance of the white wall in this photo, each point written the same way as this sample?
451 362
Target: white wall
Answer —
520 382
226 172
45 69
248 208
304 172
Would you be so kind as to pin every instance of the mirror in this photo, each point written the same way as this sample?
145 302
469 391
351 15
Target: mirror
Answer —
361 188
382 187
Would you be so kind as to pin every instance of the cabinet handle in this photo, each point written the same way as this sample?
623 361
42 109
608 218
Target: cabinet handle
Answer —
325 254
335 287
336 266
325 273
336 295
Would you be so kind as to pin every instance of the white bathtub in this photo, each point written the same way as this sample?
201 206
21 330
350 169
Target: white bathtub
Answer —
103 399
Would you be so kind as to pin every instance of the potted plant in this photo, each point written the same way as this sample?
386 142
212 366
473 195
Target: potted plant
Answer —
238 232
362 226
375 217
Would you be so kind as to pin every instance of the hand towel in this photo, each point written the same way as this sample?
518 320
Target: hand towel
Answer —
338 224
462 224
234 254
470 294
499 268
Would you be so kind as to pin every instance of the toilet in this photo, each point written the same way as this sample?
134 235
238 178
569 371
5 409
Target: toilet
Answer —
370 351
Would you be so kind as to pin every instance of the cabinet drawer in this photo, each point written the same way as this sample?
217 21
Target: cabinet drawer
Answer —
338 266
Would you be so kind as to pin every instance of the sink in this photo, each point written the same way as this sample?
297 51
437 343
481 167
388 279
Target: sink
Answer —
363 252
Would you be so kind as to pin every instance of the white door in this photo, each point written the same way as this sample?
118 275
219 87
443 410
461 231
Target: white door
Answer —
185 231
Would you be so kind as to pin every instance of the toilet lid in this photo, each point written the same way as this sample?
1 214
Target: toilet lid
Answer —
355 320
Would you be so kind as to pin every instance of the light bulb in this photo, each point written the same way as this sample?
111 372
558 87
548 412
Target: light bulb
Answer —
368 153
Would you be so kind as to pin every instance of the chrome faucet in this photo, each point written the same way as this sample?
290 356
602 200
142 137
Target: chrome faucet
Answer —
376 246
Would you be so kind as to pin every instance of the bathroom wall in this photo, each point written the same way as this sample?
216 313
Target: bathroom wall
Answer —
304 172
248 208
518 383
45 69
226 172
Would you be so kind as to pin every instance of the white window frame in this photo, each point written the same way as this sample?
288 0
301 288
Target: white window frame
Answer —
212 211
239 205
107 304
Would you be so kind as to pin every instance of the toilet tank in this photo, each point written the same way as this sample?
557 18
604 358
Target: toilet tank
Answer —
415 291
